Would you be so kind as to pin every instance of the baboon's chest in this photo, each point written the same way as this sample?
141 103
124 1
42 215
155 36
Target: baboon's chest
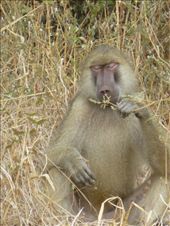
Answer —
107 136
109 153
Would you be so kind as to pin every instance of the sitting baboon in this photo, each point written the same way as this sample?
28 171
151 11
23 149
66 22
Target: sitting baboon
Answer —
105 139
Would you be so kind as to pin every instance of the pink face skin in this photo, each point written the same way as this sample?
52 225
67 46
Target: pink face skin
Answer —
106 80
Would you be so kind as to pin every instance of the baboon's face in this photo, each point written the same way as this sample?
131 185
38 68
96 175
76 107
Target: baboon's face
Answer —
107 72
106 80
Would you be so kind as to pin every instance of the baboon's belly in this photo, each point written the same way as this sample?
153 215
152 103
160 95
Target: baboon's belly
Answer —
111 174
109 156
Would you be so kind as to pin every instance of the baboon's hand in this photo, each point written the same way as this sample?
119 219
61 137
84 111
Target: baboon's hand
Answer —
126 107
79 172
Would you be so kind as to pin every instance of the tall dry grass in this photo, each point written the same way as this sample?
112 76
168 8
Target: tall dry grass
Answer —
42 45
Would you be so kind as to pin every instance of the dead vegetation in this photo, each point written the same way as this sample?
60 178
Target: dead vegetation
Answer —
42 45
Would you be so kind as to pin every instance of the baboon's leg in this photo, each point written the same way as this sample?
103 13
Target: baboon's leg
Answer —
63 195
154 201
151 200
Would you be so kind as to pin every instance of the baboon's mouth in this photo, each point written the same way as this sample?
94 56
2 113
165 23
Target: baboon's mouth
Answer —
104 102
109 99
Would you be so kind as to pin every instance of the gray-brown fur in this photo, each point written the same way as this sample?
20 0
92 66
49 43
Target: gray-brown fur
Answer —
102 150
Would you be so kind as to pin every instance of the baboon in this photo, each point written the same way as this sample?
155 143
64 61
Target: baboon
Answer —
105 139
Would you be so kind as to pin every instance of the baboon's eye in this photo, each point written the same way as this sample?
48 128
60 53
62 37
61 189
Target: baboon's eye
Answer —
96 68
112 66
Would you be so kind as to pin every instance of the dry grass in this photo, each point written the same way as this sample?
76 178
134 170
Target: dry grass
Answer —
42 45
